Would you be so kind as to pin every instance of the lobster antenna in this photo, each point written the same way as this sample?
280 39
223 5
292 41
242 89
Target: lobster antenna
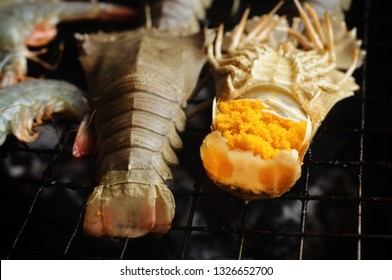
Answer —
211 57
262 24
331 41
301 39
263 34
316 21
309 27
351 69
218 42
239 29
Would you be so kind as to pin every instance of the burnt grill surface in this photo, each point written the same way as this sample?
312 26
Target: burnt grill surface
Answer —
340 208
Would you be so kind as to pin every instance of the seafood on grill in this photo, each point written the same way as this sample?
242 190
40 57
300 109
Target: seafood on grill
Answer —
139 82
26 105
33 23
271 97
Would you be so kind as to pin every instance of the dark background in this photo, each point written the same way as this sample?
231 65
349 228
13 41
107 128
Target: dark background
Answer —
341 208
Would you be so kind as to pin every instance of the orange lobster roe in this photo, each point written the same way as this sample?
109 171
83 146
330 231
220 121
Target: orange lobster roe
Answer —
246 127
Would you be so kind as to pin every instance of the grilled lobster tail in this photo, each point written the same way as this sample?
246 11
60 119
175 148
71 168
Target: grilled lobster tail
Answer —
138 91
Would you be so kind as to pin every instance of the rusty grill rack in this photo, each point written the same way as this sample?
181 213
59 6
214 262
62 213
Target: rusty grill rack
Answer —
341 208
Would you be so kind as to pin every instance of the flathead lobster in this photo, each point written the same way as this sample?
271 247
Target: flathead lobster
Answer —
275 85
139 82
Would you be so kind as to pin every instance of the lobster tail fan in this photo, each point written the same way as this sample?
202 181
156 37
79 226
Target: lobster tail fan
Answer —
129 209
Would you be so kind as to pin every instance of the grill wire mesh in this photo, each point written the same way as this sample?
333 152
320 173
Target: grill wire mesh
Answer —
339 209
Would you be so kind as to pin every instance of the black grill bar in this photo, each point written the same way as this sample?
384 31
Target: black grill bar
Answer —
305 205
190 217
363 95
339 209
24 223
242 235
46 174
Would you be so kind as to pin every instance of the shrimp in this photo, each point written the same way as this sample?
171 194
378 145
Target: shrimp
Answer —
26 105
271 99
33 23
139 82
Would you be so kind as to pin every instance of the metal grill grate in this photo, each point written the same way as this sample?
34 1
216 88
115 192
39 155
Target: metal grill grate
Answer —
340 208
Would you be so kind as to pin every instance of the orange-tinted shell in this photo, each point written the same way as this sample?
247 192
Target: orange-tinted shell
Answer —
245 174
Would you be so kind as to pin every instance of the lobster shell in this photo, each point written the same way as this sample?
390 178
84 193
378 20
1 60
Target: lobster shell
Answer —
295 76
138 90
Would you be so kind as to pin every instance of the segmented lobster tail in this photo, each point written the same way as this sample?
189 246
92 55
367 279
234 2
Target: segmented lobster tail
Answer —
134 153
138 115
